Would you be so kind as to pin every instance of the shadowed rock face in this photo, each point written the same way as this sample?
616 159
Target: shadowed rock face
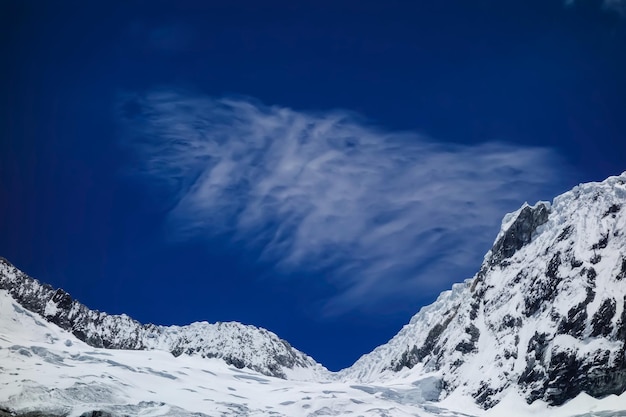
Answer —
57 306
250 347
520 232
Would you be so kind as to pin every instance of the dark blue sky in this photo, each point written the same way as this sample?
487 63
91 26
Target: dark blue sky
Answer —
79 211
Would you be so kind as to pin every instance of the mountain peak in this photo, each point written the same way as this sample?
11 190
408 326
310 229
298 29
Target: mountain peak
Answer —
545 315
242 346
517 230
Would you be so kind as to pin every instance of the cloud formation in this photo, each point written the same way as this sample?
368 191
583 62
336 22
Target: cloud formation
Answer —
382 213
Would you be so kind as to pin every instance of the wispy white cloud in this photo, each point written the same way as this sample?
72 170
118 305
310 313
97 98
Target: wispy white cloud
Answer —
382 213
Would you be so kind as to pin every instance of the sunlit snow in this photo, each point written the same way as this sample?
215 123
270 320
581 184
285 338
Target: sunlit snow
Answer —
44 368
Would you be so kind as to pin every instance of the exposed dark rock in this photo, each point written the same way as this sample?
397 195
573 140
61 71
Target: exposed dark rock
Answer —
574 323
509 322
602 378
612 210
542 291
519 277
510 354
595 258
567 231
622 273
533 378
486 395
569 375
474 307
177 351
457 363
236 362
538 344
473 332
621 326
602 243
601 321
591 276
519 233
408 359
467 346
411 356
96 413
553 266
562 378
575 263
433 337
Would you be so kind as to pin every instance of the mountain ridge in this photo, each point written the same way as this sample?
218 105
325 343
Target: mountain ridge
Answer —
267 354
545 316
545 313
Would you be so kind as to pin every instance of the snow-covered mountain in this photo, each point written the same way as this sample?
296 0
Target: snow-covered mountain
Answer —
544 315
239 345
539 330
47 371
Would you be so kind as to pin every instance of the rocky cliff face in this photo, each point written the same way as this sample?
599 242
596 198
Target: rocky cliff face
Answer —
544 315
239 345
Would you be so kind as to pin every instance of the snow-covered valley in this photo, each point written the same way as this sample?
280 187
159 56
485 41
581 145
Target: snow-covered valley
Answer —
47 369
539 330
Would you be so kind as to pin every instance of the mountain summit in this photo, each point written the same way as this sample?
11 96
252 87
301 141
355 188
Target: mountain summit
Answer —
240 345
544 315
543 320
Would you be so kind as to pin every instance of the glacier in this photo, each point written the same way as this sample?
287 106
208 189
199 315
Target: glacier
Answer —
539 330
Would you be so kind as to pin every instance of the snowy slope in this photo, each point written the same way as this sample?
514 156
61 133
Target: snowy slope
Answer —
237 344
46 369
544 316
540 330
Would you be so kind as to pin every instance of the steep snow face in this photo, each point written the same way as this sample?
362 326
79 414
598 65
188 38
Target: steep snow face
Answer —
239 345
45 370
544 315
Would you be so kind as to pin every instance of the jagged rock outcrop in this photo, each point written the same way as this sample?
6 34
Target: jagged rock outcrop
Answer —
239 345
523 224
545 314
